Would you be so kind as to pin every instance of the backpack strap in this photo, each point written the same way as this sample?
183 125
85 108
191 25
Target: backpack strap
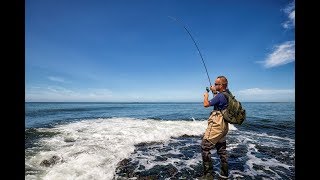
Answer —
226 95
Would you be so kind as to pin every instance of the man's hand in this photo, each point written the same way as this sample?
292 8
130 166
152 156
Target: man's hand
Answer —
205 99
213 89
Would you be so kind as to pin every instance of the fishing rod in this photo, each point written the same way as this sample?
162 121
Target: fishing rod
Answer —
207 88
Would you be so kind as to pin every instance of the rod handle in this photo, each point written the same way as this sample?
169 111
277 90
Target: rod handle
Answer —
207 88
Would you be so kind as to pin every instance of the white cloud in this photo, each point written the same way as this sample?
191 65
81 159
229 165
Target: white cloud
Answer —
285 52
56 79
61 94
290 11
99 93
266 95
282 54
59 91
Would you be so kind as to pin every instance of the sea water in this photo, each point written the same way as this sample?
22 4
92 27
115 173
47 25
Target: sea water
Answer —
153 140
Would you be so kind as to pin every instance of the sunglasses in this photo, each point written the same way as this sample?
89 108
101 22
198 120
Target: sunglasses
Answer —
217 84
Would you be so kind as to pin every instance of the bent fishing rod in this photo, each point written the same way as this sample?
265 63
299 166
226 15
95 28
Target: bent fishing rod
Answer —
207 88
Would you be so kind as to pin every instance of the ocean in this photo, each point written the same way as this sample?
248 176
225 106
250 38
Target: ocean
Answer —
109 141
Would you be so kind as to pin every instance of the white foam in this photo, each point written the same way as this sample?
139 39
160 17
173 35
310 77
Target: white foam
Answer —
251 139
265 163
232 127
91 149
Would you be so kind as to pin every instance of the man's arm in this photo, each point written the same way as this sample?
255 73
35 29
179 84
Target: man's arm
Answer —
205 100
206 95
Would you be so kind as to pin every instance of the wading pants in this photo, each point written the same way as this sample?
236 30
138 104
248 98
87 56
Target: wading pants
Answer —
215 137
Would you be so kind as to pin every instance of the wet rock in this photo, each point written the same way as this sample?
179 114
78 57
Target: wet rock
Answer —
189 136
159 172
69 139
161 158
45 163
50 162
125 169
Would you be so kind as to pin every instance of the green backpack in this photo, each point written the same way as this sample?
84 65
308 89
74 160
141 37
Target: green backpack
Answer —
234 113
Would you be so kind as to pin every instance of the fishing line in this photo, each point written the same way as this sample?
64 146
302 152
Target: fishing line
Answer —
196 46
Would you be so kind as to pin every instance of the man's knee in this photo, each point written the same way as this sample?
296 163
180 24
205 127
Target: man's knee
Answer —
206 145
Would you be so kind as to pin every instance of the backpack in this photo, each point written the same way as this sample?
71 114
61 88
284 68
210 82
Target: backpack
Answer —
234 113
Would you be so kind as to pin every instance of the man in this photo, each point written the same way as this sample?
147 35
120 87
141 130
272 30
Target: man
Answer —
215 134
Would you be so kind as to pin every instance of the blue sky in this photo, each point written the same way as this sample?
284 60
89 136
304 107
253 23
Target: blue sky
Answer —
131 51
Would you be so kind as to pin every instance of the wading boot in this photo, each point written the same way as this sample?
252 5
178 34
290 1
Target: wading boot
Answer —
208 173
224 171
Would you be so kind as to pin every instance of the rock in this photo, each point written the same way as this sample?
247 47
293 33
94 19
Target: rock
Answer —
50 162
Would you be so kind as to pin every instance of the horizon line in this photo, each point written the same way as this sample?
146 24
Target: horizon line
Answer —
149 102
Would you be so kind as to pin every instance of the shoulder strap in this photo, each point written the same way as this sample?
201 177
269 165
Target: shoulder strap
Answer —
228 91
226 95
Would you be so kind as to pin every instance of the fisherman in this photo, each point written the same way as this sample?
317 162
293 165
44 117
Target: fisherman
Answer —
217 128
215 134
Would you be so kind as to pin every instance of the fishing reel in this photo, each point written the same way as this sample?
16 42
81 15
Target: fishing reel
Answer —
208 89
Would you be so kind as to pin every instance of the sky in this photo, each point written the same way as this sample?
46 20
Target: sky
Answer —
132 51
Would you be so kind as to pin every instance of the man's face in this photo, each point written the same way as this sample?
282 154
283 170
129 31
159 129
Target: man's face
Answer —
217 84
